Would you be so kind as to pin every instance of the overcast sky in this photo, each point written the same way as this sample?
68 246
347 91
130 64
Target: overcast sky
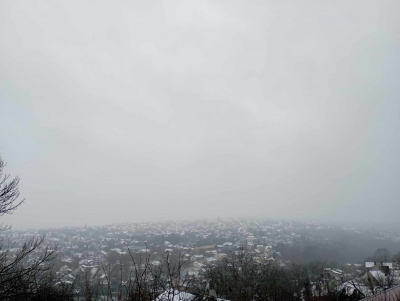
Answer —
125 111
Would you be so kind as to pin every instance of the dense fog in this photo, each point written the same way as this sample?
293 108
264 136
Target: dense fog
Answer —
126 111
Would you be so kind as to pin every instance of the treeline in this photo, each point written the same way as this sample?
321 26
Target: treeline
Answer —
240 276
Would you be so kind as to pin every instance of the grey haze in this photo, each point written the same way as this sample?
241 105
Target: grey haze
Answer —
119 111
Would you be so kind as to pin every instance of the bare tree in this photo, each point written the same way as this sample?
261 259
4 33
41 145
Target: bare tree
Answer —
141 279
9 193
161 281
235 276
244 277
381 255
20 279
396 258
385 280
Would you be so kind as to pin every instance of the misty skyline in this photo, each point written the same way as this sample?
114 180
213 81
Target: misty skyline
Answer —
117 111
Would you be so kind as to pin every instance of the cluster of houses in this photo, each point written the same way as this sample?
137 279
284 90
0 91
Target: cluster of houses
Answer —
198 244
369 282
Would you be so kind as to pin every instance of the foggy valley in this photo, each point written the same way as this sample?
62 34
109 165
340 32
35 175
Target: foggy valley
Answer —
169 150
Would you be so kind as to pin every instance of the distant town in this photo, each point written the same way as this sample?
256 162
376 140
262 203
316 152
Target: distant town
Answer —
348 257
